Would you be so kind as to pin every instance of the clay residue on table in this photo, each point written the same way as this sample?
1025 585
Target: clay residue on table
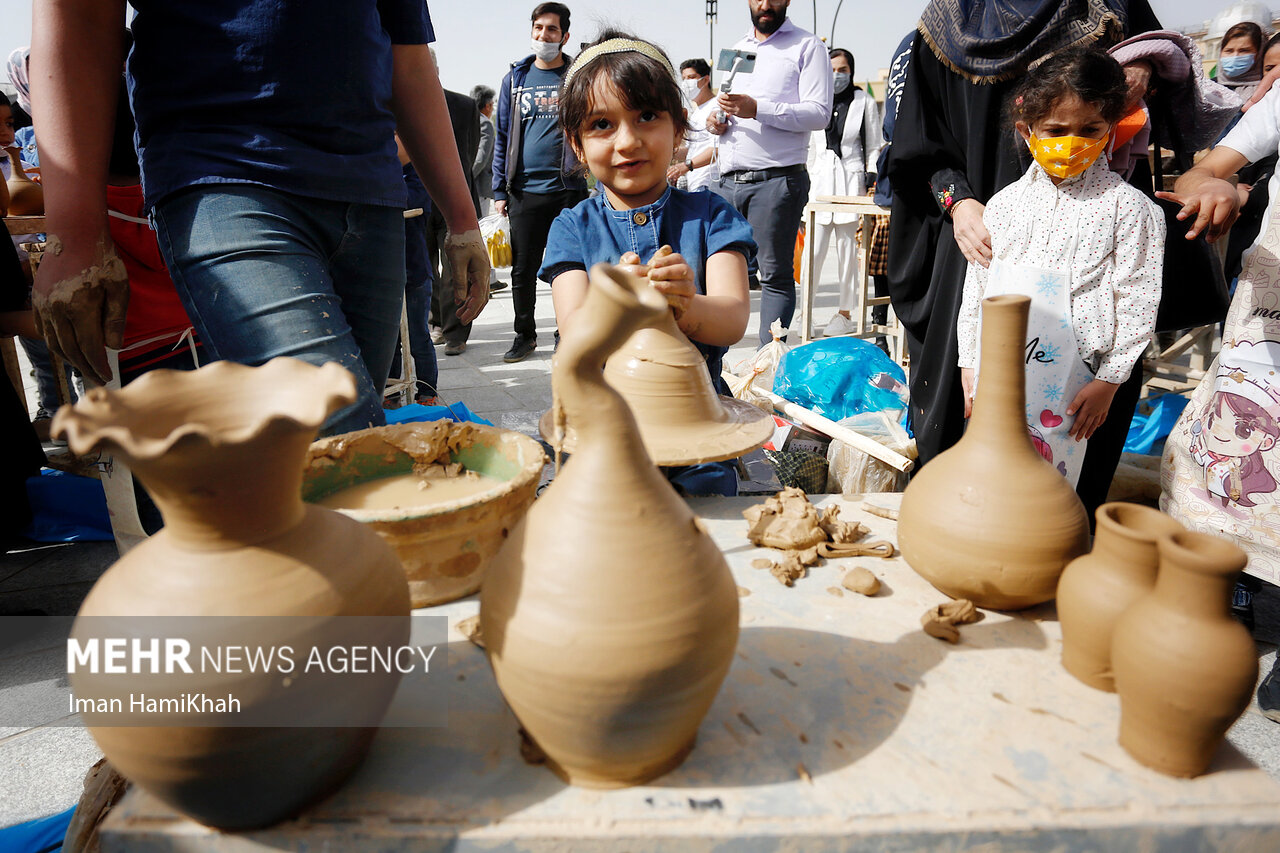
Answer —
940 621
790 523
470 628
861 580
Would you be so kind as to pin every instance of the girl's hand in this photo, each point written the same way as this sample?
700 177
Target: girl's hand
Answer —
630 262
1090 408
673 277
967 381
971 234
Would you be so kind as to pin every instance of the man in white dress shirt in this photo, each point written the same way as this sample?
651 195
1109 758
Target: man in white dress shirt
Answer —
763 144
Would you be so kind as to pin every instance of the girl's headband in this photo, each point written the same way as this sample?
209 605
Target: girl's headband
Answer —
617 46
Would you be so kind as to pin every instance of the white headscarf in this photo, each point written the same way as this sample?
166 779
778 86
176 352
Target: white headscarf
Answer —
17 66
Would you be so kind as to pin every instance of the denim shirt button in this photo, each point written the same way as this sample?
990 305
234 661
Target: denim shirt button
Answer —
640 218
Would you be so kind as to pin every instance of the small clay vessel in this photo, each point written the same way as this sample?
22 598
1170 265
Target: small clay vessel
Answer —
221 450
682 420
26 197
610 616
1184 668
990 520
1097 588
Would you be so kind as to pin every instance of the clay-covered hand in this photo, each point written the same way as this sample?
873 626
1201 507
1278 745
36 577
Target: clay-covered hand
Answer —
469 259
673 277
80 297
1214 203
742 106
971 234
631 262
968 382
1090 408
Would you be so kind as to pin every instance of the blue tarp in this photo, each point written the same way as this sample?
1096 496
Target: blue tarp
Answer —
1145 431
67 508
38 836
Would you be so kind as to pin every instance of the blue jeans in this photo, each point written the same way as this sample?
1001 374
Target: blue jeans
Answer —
774 208
263 274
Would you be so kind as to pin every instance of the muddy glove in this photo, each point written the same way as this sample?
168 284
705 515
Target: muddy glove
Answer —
469 259
79 300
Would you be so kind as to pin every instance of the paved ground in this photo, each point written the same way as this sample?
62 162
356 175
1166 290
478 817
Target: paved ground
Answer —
41 768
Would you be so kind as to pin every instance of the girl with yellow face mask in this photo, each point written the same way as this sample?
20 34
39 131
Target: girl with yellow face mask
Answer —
1087 248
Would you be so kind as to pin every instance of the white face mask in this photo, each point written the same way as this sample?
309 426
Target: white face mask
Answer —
691 87
842 81
546 50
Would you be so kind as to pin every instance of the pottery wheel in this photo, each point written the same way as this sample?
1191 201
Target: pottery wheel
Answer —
741 428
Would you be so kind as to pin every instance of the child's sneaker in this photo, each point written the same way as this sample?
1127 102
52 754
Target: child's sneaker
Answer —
839 325
1269 693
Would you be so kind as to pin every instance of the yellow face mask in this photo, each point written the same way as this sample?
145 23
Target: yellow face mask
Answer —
1066 156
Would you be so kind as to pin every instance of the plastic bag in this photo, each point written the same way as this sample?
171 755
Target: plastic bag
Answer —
851 471
495 228
841 377
758 371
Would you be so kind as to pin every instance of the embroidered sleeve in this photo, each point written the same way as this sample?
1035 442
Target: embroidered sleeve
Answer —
949 187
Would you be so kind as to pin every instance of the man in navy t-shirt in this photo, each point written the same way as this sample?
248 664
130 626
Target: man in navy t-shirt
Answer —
265 132
533 170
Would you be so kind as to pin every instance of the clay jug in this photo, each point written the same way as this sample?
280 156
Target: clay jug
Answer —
1184 668
1100 586
26 197
610 616
221 451
990 520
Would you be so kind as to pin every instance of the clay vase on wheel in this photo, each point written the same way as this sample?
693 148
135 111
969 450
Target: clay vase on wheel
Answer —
609 615
990 520
245 561
1096 589
1184 668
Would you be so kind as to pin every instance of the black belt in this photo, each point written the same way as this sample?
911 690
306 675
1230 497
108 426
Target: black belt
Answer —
745 176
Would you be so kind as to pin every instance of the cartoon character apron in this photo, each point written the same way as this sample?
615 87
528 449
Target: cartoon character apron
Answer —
1221 466
1055 373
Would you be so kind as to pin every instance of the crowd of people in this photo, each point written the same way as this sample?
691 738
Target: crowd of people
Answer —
1012 153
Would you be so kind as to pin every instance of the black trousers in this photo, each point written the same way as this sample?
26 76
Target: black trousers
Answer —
1103 453
531 215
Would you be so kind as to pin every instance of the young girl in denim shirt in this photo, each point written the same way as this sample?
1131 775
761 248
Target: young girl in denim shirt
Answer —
622 111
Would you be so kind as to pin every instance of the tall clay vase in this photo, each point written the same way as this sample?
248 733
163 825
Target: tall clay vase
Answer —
1184 668
26 197
1096 589
610 616
221 451
990 520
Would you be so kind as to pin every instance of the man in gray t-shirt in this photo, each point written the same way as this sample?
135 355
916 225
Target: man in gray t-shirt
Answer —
533 170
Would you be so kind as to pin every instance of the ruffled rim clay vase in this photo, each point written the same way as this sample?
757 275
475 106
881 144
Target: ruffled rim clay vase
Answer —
610 617
445 547
682 420
220 450
990 520
1096 589
1184 668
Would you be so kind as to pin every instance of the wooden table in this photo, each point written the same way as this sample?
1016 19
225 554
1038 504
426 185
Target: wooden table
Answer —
841 726
809 273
